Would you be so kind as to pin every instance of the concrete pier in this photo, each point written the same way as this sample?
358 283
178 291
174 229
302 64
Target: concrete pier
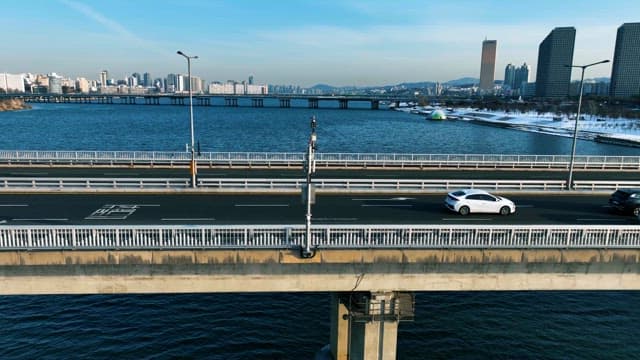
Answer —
365 325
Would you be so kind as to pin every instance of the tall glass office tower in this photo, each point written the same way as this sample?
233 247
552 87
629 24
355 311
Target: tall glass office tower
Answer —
625 73
554 53
488 64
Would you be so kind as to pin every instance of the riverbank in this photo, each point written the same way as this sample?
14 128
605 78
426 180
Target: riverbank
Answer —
13 104
618 131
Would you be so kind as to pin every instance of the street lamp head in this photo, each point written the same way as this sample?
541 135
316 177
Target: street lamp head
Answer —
185 55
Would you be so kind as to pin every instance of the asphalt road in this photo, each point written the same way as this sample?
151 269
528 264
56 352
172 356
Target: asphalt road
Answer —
320 173
109 209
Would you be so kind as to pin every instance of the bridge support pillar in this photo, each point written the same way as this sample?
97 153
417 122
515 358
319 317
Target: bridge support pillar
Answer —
285 103
204 101
313 103
344 103
375 104
365 325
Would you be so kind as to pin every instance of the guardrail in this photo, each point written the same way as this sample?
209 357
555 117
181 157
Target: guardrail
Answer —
274 185
327 160
323 236
293 185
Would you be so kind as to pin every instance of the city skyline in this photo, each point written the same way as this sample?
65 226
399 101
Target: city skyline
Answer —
305 43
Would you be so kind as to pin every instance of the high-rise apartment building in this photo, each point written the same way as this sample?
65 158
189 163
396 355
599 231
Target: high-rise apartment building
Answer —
509 76
104 75
488 64
522 75
11 83
82 85
146 80
625 72
55 83
554 54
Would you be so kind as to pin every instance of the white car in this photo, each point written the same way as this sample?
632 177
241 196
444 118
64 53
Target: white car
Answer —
467 201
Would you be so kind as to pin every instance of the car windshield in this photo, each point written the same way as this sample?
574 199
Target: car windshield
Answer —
458 193
621 194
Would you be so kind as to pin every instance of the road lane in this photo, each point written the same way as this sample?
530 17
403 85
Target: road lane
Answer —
130 209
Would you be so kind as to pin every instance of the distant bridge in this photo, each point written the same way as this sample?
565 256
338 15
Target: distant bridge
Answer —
228 100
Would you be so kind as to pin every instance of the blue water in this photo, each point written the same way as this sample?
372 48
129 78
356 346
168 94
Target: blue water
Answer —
448 325
144 127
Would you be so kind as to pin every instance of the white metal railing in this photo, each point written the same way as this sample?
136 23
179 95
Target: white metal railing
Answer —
323 236
320 184
348 160
268 185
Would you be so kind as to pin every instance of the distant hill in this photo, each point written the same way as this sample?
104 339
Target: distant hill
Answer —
323 87
417 85
463 81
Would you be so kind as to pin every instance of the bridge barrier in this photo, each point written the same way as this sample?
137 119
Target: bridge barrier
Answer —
9 184
326 160
289 185
80 237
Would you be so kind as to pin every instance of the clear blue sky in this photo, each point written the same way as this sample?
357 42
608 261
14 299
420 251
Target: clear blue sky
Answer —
303 42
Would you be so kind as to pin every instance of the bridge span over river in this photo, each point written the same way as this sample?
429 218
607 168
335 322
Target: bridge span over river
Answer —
228 100
371 249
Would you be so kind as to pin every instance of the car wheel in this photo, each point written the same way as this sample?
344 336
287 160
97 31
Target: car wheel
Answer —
636 211
505 210
464 210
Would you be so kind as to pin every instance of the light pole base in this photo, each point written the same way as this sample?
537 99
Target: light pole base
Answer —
308 254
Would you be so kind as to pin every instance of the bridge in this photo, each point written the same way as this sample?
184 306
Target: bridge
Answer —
228 100
373 244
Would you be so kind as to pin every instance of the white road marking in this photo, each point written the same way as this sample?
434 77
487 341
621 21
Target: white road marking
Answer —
587 219
386 199
3 221
335 219
43 219
14 205
467 219
261 205
386 205
188 219
28 173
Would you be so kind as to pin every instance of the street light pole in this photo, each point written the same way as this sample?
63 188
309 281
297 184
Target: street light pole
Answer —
193 166
575 129
310 169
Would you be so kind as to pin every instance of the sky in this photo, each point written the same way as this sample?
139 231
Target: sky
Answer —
300 42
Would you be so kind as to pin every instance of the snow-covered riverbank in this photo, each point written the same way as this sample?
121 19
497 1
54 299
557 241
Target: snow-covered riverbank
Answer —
609 130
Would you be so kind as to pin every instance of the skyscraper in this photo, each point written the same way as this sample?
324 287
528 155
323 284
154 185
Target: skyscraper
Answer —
146 80
554 53
510 76
488 64
521 76
625 73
